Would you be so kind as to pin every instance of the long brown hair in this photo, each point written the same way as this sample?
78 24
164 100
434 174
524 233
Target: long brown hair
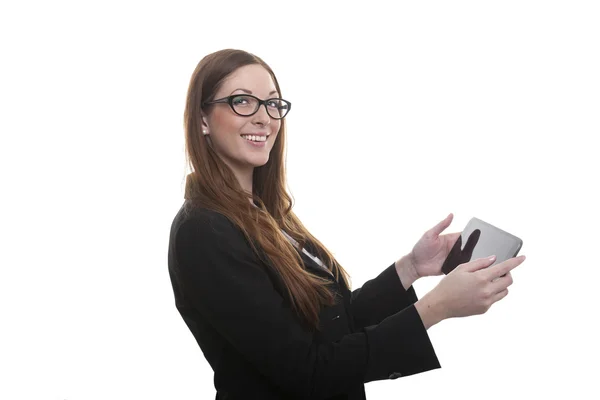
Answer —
212 185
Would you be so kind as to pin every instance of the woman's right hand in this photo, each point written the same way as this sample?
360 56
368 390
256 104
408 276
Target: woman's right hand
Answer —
470 289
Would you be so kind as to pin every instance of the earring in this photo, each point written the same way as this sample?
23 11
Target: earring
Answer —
204 131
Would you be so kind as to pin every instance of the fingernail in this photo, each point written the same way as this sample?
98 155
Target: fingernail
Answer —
492 258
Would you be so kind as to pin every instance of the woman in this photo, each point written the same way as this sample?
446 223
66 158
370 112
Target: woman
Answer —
268 304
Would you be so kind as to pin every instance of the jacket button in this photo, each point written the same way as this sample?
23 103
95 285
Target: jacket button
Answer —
395 375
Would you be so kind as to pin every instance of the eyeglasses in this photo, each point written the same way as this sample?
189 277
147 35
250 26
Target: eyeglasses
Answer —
247 105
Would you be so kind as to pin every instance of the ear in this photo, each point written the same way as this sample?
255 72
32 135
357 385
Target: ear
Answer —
205 130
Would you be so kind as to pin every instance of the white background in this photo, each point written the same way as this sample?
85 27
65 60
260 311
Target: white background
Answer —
401 114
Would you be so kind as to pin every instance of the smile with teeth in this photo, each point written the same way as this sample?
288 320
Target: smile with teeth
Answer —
255 138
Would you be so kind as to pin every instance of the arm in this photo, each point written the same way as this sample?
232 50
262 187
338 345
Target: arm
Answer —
227 285
390 292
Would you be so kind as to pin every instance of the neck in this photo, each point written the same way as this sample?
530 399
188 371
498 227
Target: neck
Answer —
244 177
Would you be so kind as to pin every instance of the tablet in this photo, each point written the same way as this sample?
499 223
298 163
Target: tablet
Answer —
481 240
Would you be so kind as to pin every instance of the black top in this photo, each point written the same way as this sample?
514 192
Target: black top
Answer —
238 311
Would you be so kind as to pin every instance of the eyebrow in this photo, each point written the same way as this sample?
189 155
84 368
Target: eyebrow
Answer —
250 91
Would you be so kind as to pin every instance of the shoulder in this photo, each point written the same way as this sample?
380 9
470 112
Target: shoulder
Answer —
202 223
199 232
205 237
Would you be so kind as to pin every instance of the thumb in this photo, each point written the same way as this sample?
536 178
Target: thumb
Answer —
478 264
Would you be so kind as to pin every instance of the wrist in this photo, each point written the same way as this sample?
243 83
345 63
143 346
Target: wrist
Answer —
430 309
406 271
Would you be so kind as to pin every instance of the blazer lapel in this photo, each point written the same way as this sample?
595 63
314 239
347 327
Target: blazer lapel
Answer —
313 265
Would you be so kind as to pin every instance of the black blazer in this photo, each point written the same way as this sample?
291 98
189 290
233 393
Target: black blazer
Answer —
239 313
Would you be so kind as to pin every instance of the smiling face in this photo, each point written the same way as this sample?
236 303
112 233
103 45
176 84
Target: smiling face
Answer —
238 140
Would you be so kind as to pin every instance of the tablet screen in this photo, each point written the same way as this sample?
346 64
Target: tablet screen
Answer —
479 240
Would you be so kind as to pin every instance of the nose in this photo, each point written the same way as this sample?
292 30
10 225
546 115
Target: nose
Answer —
261 117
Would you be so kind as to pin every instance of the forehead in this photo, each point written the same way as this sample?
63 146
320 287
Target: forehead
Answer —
250 77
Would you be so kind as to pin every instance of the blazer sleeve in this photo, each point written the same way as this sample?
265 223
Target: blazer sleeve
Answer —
379 298
228 286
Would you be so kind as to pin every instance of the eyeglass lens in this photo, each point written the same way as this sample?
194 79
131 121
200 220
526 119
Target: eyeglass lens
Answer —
248 105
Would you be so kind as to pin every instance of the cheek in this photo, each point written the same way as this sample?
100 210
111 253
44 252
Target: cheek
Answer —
226 124
276 127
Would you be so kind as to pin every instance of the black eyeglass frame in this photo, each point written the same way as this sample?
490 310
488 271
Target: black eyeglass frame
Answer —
229 100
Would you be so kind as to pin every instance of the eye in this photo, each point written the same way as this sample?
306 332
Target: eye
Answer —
240 100
274 103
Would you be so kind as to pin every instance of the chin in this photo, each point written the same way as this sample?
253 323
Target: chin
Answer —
259 163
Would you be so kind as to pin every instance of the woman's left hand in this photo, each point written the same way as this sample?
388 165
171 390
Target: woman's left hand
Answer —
430 252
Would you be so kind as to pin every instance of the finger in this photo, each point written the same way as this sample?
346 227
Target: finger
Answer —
499 296
440 227
501 283
456 249
478 264
451 239
503 268
453 259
